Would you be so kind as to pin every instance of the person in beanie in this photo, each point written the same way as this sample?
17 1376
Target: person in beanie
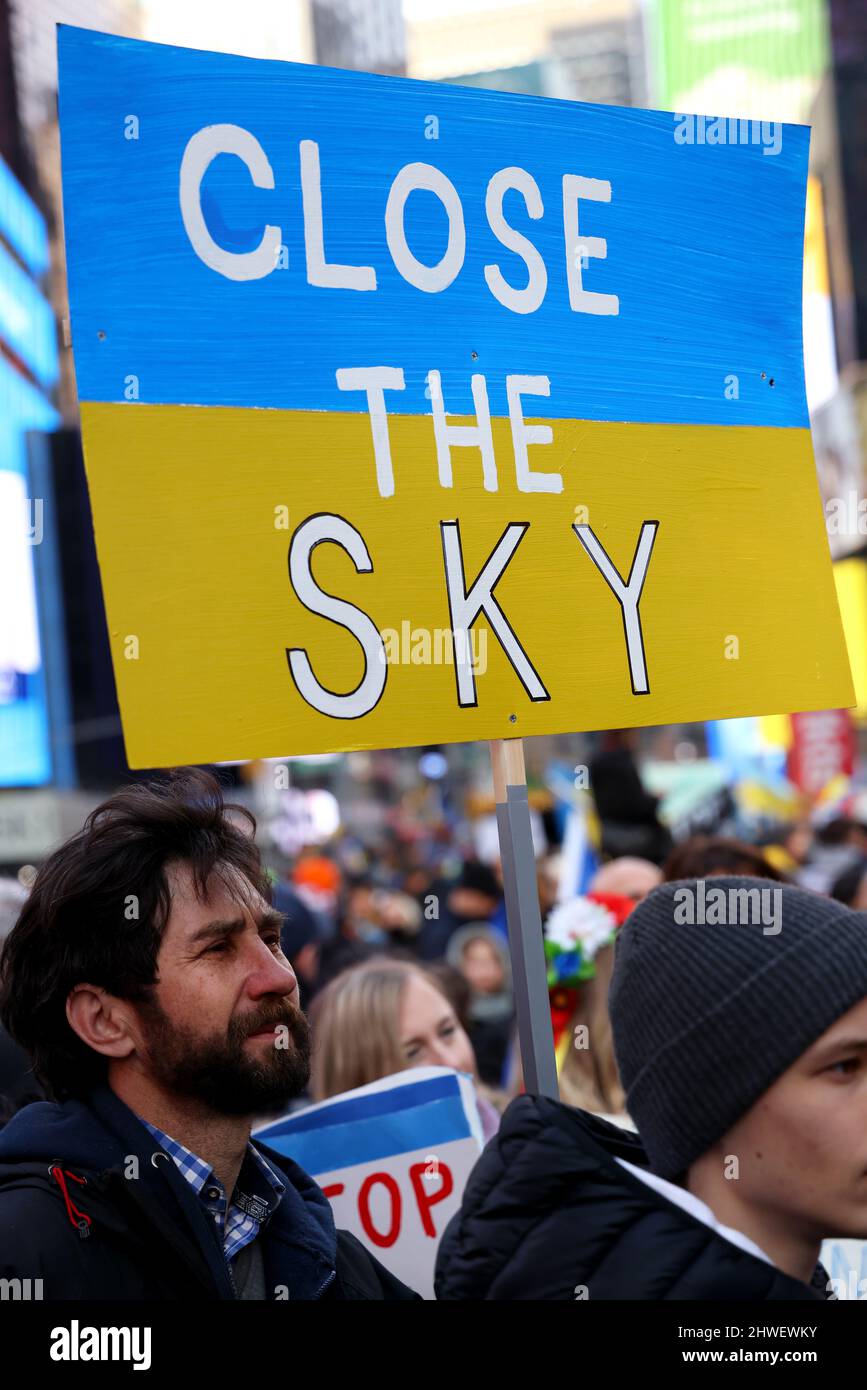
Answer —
474 897
739 1014
145 978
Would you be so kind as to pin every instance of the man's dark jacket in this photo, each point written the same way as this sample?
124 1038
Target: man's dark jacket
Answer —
548 1213
149 1236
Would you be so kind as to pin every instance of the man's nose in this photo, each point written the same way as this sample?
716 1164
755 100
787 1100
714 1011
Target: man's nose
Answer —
271 974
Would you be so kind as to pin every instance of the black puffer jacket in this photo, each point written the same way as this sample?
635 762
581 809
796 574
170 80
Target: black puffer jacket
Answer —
548 1213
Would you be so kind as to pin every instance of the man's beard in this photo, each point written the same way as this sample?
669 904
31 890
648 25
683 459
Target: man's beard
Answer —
223 1074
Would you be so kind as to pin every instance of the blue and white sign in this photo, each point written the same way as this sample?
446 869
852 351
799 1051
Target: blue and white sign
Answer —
393 1158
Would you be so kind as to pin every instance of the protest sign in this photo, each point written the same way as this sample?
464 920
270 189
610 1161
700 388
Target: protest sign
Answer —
824 746
393 1158
416 413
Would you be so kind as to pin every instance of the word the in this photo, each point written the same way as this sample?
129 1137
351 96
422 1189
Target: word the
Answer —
375 381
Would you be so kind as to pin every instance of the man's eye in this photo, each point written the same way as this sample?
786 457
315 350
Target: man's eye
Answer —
273 942
846 1067
447 1031
218 948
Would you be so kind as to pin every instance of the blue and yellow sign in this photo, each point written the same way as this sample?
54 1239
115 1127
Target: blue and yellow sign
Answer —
416 413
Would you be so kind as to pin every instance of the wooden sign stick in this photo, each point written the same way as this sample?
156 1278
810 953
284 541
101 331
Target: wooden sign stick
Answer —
524 917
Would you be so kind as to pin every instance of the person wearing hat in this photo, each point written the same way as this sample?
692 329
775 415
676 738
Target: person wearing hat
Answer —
473 897
739 1014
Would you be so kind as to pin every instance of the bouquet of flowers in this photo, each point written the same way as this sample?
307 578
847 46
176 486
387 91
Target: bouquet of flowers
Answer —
574 933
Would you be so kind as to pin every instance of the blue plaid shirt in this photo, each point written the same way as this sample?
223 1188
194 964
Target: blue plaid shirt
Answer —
257 1191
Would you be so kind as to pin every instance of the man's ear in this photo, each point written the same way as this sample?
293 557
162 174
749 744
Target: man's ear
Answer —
101 1020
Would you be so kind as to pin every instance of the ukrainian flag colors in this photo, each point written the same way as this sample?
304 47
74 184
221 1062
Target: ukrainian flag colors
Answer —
359 357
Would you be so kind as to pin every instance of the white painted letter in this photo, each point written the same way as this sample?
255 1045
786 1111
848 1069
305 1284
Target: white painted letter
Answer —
335 277
465 607
202 148
430 278
527 300
628 595
524 434
376 380
361 700
463 436
578 246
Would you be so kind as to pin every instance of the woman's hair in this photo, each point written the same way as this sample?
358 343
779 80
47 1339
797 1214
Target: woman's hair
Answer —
356 1025
456 988
99 906
588 1077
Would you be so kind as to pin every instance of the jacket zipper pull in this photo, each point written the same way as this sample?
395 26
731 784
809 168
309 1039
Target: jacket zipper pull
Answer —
77 1217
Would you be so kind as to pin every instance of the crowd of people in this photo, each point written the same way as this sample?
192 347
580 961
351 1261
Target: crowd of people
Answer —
711 1126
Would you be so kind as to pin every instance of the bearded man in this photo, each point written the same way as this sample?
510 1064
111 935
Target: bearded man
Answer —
145 978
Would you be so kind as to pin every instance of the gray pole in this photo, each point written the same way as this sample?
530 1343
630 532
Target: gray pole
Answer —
524 918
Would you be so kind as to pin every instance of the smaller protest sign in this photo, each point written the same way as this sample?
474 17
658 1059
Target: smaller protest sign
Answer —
393 1158
823 747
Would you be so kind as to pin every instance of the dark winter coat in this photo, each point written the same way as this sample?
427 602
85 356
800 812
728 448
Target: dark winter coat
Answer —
149 1236
549 1214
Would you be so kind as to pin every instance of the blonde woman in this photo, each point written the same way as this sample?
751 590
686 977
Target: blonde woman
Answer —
380 1017
588 1074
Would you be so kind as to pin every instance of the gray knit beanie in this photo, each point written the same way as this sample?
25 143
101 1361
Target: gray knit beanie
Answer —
719 985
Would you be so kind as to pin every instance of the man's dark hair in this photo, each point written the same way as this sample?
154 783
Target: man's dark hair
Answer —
703 855
99 906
